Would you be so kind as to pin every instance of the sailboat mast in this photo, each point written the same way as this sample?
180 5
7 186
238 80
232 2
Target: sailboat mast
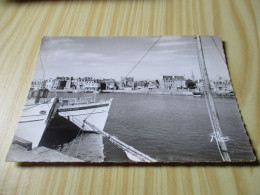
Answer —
214 118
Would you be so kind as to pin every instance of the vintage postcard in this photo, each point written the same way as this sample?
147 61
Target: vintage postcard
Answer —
164 99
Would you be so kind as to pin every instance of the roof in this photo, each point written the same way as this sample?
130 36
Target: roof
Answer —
109 80
167 77
129 78
60 78
180 78
88 78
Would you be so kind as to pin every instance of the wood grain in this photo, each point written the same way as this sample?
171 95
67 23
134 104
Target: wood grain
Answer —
23 23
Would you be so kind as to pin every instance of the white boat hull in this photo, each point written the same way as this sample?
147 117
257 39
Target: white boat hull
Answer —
34 121
94 113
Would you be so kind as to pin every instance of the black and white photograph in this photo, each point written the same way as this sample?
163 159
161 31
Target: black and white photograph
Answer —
150 99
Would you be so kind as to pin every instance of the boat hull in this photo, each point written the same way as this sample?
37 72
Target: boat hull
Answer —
94 113
34 121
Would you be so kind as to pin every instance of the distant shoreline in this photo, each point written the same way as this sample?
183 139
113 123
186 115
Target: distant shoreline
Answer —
178 92
151 92
166 92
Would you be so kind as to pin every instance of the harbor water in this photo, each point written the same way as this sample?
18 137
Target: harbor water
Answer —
174 128
166 127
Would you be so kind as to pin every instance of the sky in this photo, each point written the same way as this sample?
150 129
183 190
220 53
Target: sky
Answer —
113 57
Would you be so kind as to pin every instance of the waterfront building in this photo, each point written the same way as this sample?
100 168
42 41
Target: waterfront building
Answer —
167 82
127 83
110 83
157 83
49 84
71 83
59 83
151 85
179 82
141 84
200 85
38 84
68 83
82 83
91 84
221 85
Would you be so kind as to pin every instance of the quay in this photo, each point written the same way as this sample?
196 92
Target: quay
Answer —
21 151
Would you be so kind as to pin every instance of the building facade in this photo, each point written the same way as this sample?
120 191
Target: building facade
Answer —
221 86
127 83
168 82
179 82
38 84
110 83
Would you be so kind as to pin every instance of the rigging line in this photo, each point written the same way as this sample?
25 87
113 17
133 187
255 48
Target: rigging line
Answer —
74 139
143 56
90 114
222 57
140 60
43 73
79 145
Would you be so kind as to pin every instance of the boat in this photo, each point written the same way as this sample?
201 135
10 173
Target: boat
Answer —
86 114
39 110
196 93
85 109
37 114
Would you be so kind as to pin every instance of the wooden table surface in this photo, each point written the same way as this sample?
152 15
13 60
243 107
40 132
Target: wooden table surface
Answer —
23 23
